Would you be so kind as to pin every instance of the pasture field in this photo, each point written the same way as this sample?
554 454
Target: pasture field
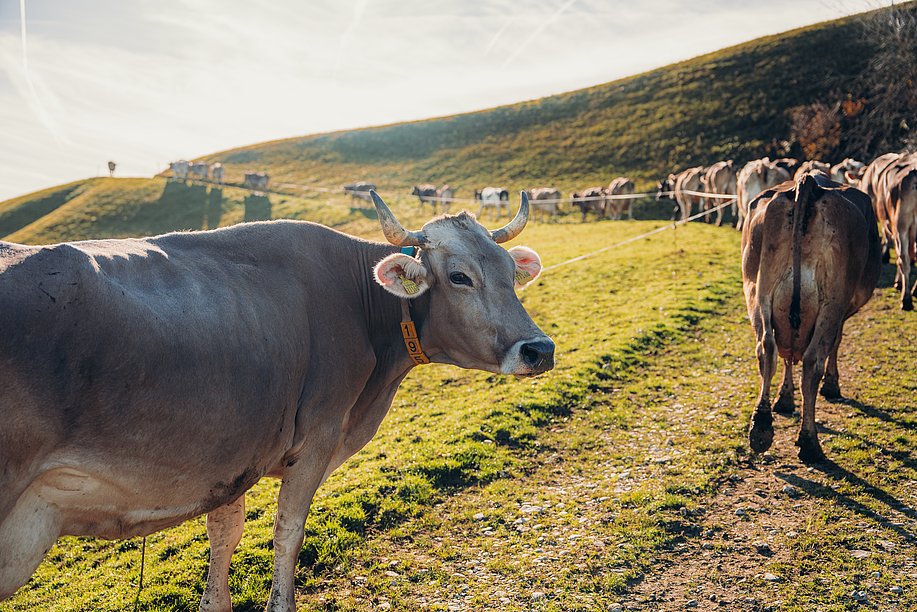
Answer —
614 479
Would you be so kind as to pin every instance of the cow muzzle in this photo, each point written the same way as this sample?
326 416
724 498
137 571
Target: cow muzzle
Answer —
530 357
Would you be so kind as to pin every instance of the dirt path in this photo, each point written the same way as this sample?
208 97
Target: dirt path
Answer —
782 535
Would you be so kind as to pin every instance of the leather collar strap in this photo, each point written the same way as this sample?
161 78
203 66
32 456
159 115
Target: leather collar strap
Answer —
409 333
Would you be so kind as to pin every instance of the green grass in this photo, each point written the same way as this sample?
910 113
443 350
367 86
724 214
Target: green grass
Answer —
408 468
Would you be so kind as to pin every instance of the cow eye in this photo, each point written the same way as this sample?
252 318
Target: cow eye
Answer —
458 278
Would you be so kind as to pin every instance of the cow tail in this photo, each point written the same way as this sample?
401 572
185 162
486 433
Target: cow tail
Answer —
801 211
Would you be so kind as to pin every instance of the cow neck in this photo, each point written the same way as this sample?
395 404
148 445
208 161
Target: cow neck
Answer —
387 313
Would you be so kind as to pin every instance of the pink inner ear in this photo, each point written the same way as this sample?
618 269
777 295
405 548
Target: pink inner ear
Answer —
387 273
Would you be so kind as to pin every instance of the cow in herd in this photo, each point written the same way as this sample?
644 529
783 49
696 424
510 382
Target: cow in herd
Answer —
891 181
610 202
148 381
256 181
359 190
433 195
494 199
182 170
810 260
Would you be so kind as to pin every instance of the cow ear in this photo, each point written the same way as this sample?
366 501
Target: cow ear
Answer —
528 264
402 275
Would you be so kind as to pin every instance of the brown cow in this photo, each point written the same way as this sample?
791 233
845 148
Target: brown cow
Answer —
810 260
545 199
590 200
616 206
720 178
754 177
899 197
813 165
689 180
872 184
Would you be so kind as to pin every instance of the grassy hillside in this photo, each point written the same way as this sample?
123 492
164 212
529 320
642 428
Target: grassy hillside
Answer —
731 103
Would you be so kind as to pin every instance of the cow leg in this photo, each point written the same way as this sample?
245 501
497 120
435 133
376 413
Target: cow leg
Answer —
822 344
719 216
761 434
299 485
785 403
830 387
904 267
26 536
224 529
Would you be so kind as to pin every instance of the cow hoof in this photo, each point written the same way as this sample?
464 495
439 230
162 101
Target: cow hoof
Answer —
907 305
784 405
810 450
761 435
830 390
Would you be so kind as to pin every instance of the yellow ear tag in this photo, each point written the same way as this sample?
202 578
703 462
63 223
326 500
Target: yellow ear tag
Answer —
409 286
522 277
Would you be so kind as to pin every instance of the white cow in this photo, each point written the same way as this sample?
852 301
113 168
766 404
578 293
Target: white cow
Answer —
180 169
494 199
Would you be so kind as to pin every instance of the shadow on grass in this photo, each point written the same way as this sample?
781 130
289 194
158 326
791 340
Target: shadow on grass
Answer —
257 207
837 473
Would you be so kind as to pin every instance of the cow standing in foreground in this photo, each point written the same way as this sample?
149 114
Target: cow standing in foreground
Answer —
810 260
144 382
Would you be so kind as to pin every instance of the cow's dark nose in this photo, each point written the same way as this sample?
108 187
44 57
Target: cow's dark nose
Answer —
538 355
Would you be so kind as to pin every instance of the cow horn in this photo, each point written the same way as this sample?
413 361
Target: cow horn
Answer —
393 230
514 227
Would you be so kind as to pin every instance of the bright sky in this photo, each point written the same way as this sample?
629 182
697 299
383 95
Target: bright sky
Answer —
148 81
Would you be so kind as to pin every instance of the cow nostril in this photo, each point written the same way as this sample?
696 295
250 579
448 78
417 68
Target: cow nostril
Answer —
529 354
538 355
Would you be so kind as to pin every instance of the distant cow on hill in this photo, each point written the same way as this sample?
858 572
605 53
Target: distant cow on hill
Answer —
216 171
200 171
257 181
359 190
544 199
848 172
616 206
180 169
754 177
810 260
811 165
445 195
720 178
685 181
590 200
426 194
494 199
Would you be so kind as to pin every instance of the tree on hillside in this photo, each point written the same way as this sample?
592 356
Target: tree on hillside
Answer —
888 121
